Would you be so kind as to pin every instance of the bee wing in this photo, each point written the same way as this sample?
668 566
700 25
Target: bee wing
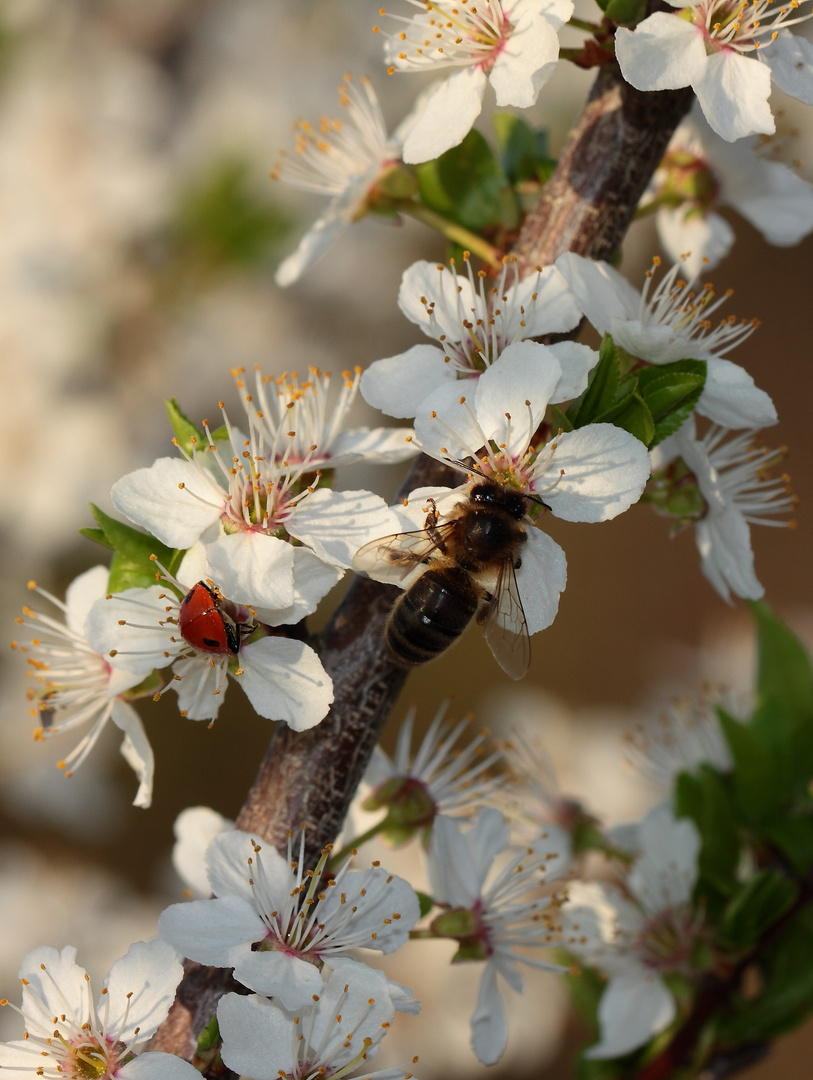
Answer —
505 628
392 558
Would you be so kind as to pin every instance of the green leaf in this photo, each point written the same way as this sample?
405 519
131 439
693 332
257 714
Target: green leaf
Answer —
602 389
464 184
787 980
774 750
626 12
636 418
704 798
755 775
209 1036
784 681
793 836
131 566
97 536
559 420
190 438
755 907
425 903
671 392
521 149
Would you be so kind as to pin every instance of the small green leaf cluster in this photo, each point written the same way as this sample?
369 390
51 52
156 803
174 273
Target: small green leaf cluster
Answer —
484 191
135 552
650 401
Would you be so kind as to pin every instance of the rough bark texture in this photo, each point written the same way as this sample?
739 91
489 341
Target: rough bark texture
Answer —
311 777
610 156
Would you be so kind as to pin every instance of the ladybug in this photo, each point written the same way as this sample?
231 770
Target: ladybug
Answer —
204 624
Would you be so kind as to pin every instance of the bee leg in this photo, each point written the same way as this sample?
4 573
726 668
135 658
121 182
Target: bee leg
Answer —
431 526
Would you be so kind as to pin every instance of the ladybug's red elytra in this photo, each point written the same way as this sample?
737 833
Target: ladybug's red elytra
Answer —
204 624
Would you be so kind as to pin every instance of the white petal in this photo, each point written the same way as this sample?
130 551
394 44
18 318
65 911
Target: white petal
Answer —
790 59
314 244
449 294
541 579
284 976
774 198
731 399
665 874
141 644
727 558
175 515
156 1065
601 292
387 908
634 1007
656 343
517 75
398 385
258 1037
447 116
605 470
82 594
549 307
140 990
458 861
227 863
703 240
337 523
200 685
194 829
285 680
313 579
378 446
733 92
61 988
577 361
518 384
664 52
212 931
249 568
489 1031
446 423
135 749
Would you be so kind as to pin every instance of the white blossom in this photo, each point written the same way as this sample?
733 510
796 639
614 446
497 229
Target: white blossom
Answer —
671 321
636 941
591 474
341 159
76 685
315 425
701 173
440 778
67 1035
513 44
728 51
737 488
282 678
494 907
278 924
474 323
244 497
681 738
335 1033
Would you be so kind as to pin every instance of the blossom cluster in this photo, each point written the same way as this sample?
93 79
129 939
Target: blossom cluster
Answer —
232 542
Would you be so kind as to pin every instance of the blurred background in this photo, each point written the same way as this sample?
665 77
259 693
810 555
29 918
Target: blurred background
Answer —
139 232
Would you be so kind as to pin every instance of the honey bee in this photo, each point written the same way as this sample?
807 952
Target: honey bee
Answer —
467 567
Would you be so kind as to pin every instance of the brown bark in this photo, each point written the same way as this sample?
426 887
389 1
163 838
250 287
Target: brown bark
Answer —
311 777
